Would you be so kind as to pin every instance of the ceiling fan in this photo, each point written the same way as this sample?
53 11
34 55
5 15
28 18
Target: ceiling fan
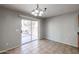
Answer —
38 11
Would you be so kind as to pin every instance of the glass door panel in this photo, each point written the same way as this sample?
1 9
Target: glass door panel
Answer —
29 30
26 31
34 30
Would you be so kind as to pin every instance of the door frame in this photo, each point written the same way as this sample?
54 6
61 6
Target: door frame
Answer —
31 29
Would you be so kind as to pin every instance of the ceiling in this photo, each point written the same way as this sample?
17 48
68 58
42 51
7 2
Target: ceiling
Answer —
52 9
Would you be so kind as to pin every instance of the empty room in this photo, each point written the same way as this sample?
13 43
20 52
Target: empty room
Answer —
39 28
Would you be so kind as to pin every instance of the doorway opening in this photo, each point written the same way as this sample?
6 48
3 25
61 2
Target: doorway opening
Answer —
29 31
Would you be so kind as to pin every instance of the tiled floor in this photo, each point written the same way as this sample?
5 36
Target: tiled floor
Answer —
44 47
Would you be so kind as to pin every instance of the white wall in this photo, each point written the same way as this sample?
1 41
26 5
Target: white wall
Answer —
63 28
42 28
10 26
9 22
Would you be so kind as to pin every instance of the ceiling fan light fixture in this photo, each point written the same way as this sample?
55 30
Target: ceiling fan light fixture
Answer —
38 11
33 13
40 14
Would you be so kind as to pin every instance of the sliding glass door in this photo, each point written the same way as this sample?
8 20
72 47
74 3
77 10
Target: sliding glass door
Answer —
34 30
29 30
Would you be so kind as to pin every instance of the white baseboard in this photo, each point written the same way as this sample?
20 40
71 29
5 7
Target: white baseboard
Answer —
63 43
9 49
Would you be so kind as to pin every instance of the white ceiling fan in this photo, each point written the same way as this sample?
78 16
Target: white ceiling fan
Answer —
38 11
